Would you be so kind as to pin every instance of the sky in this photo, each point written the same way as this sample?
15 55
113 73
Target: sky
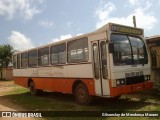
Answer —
27 24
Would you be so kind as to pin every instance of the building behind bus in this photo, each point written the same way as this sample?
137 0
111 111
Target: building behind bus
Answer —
153 43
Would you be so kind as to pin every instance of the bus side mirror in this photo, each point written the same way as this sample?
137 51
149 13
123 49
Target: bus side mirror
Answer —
111 47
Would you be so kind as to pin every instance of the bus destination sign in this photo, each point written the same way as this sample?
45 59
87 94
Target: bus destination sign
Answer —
123 29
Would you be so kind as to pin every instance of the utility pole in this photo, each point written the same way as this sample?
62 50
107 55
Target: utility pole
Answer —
134 21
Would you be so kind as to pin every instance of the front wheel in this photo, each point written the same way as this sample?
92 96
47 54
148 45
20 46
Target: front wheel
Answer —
82 95
34 91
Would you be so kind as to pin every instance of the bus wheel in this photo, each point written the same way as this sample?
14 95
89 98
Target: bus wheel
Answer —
82 95
34 91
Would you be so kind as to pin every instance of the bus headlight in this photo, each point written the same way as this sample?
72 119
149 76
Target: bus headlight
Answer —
120 82
147 77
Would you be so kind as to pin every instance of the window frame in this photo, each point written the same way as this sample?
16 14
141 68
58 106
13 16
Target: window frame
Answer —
15 61
42 54
131 48
61 49
36 58
72 49
24 59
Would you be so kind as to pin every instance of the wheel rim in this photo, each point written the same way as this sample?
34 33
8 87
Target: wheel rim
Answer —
82 94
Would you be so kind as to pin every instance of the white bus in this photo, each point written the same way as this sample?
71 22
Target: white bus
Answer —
108 62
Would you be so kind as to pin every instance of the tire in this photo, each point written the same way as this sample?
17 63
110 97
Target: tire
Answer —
82 95
34 91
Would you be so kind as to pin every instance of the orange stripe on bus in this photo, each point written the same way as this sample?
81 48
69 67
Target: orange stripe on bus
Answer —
126 89
56 84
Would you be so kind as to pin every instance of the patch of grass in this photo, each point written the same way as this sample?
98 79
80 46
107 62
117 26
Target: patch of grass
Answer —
143 101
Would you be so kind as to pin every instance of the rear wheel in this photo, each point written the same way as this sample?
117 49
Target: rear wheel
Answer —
82 95
34 91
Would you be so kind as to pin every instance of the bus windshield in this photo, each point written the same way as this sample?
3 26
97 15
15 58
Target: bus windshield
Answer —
128 50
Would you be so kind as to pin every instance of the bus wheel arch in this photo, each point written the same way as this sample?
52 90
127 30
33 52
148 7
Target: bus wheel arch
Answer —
81 93
32 88
29 81
75 85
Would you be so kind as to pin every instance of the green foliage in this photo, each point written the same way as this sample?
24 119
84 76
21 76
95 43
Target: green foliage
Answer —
6 52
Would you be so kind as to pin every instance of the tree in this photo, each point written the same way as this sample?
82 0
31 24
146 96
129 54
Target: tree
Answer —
6 52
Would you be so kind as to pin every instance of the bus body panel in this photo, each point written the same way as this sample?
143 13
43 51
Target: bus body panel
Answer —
119 71
22 81
63 85
70 70
127 89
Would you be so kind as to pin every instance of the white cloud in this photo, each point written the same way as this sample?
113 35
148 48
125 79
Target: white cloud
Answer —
41 1
46 24
20 41
62 37
14 8
79 34
142 4
103 12
144 18
134 2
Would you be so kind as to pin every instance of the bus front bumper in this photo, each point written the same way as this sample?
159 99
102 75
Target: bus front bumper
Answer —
120 90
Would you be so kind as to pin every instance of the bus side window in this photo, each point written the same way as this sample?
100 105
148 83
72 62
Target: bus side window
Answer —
15 61
43 56
18 61
24 60
58 54
32 58
78 50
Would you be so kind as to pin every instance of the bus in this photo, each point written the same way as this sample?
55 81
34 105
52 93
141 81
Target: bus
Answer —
109 62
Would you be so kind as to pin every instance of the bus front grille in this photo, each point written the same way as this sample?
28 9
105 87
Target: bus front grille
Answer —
134 78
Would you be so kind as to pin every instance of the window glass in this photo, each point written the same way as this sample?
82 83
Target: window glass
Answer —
104 59
138 49
78 50
18 61
32 58
96 61
15 61
58 54
43 56
128 50
122 50
24 60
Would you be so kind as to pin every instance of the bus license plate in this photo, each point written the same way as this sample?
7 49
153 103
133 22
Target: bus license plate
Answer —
138 87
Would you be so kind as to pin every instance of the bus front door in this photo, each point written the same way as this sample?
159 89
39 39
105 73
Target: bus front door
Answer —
100 72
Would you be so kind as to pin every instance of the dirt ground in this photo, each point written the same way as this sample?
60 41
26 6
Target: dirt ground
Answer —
7 86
